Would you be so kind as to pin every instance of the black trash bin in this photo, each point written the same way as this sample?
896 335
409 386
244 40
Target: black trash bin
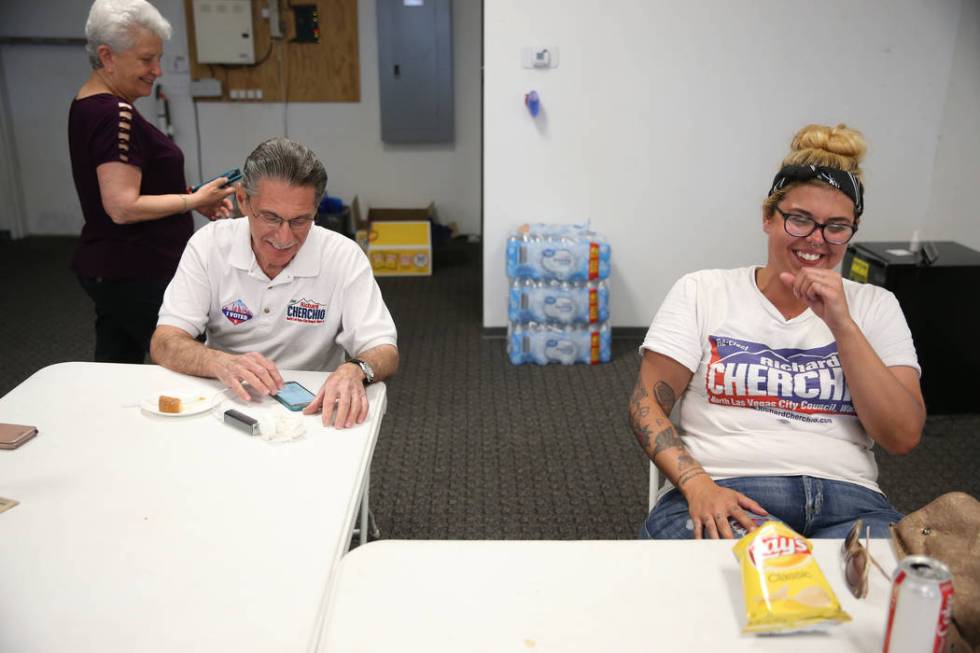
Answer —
940 302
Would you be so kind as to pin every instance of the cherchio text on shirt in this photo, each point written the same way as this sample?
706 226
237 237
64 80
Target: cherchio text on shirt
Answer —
752 375
306 311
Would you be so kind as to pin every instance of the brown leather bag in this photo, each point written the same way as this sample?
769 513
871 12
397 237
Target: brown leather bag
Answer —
948 529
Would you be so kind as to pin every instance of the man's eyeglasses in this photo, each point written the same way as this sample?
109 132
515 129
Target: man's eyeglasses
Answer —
274 221
856 556
801 226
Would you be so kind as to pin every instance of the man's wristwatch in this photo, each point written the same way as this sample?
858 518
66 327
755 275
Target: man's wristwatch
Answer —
366 368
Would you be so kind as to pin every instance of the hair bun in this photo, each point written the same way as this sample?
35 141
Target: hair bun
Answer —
840 141
837 147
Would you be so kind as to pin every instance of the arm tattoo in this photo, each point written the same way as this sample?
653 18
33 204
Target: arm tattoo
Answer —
639 393
642 433
667 439
665 396
637 412
688 475
685 461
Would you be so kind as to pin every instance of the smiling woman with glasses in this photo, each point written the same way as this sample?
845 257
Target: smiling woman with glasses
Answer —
785 376
129 177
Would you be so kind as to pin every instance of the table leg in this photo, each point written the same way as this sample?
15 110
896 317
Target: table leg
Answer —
365 507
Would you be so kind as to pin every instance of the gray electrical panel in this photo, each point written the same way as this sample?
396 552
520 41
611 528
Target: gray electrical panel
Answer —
415 58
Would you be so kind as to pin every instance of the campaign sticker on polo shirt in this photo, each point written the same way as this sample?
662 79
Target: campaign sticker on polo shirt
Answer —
306 311
792 382
237 312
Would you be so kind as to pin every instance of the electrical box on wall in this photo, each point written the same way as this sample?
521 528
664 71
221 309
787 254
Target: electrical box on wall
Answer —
307 23
223 31
415 57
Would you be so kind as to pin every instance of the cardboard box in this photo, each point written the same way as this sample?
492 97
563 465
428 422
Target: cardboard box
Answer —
400 249
398 242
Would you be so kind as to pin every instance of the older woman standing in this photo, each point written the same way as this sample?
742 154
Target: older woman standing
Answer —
786 375
130 181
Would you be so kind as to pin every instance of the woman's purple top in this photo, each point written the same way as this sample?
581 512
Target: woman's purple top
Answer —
104 128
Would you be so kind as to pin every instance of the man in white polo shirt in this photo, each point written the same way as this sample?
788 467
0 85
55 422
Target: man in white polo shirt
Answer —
274 291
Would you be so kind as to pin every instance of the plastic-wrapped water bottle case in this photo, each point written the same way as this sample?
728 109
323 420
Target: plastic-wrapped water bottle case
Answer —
560 252
549 343
558 301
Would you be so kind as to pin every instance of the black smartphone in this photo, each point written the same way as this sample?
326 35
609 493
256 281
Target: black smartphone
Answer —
294 396
233 175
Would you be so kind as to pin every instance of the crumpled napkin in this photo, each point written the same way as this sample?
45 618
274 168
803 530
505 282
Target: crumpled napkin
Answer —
281 427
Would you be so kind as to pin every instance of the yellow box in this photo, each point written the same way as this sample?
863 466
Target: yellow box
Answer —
400 249
859 270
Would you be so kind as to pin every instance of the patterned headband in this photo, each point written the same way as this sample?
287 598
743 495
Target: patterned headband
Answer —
842 180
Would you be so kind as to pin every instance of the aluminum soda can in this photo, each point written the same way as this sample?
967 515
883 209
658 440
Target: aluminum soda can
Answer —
920 608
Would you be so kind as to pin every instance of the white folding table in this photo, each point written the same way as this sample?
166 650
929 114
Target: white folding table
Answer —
545 596
137 532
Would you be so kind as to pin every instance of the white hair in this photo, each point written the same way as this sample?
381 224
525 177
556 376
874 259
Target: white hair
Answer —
114 23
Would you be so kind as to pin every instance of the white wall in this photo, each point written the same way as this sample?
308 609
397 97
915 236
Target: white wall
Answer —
11 220
665 122
953 213
39 84
346 136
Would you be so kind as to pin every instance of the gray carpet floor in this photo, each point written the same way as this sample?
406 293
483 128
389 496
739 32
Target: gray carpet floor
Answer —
472 447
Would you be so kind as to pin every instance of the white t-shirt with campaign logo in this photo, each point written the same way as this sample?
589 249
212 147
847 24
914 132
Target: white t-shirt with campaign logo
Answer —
768 395
325 302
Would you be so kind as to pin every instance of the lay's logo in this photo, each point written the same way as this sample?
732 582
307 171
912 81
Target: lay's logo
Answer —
778 546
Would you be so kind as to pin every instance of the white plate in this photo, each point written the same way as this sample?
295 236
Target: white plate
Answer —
192 402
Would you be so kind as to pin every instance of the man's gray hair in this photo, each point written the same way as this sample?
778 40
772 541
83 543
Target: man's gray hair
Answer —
114 23
286 160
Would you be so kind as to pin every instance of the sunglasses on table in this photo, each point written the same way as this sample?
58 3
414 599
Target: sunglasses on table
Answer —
856 557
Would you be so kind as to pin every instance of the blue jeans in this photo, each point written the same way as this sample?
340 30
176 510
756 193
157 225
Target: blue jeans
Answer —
813 507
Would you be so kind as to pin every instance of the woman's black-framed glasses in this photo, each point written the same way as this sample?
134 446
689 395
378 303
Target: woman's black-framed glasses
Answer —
801 226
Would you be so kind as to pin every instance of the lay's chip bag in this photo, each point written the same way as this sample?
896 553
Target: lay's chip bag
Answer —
784 589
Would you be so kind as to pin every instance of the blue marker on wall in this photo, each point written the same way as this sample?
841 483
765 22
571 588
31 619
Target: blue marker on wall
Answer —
533 103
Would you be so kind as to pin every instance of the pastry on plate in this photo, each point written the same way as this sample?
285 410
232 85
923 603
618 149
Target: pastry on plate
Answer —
169 404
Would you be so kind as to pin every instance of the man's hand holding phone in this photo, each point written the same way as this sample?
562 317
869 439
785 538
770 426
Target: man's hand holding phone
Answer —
344 394
252 368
